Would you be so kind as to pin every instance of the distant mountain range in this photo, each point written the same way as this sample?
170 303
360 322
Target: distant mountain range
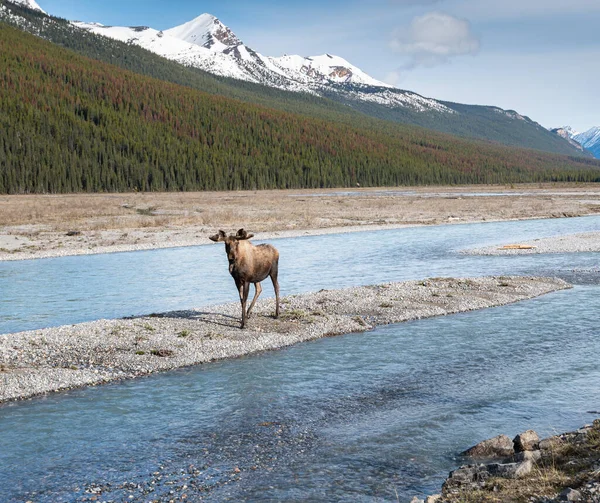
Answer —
589 140
205 43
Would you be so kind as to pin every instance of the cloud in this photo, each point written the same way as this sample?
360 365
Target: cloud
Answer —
434 38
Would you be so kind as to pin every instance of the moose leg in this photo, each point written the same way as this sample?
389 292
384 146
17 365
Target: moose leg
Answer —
257 290
274 272
243 289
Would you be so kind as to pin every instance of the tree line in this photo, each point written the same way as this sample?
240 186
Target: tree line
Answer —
73 124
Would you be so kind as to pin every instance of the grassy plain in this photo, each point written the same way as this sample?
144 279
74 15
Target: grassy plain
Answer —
34 226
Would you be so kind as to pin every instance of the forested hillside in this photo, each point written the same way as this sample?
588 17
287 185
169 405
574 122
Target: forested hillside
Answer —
471 121
69 123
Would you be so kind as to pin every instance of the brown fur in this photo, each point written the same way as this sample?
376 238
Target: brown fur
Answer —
250 264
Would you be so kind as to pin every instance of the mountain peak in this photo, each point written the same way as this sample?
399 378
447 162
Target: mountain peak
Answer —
565 131
31 4
206 31
590 139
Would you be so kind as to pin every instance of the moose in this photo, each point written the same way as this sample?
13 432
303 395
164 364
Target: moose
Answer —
250 264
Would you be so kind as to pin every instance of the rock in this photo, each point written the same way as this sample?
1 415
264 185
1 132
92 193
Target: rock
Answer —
497 447
434 498
534 456
468 476
511 470
471 477
570 495
416 500
526 441
549 443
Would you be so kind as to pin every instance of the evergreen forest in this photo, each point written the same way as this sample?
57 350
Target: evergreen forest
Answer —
69 123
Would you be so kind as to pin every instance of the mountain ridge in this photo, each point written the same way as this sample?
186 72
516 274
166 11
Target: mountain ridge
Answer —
75 124
325 75
588 140
389 104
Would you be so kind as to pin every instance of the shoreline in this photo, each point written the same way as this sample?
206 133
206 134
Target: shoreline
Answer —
48 226
54 359
561 467
584 242
569 243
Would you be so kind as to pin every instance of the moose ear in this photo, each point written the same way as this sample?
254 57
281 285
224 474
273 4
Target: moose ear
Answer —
242 234
218 237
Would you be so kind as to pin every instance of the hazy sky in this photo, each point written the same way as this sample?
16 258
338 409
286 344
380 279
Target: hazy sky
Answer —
539 57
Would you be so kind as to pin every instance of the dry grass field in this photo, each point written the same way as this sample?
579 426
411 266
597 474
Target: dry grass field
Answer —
37 225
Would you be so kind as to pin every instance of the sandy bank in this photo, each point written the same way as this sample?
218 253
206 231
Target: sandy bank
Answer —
42 361
571 243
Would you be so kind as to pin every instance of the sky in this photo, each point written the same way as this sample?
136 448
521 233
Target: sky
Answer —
538 57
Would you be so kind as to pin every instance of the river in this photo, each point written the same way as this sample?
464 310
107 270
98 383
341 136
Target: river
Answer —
370 417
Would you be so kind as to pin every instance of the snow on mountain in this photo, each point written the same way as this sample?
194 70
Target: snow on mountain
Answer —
206 43
590 140
590 137
206 31
32 4
327 67
171 48
566 132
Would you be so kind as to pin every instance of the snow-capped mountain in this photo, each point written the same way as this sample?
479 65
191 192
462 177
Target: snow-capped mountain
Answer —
565 132
32 4
568 134
590 140
206 31
208 44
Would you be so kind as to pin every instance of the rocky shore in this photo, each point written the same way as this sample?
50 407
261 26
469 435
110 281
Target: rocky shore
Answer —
571 243
560 468
61 358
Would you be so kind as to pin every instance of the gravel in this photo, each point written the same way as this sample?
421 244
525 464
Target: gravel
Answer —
571 243
42 361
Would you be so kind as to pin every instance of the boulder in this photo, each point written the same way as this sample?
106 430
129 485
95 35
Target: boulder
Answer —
511 470
473 477
570 495
434 498
526 441
550 443
468 476
534 456
497 447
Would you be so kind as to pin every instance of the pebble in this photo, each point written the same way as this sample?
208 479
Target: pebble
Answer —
59 358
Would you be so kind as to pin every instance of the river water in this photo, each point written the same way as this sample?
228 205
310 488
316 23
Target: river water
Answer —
60 291
379 416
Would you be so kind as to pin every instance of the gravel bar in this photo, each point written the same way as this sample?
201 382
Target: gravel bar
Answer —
571 243
41 361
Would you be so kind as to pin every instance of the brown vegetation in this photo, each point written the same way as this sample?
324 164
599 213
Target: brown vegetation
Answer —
31 223
572 461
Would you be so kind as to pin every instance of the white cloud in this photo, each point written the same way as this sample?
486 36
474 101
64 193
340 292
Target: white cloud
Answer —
434 38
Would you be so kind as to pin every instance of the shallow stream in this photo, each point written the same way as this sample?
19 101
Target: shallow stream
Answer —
370 417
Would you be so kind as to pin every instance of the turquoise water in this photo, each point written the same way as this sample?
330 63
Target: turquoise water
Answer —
351 418
367 417
59 291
